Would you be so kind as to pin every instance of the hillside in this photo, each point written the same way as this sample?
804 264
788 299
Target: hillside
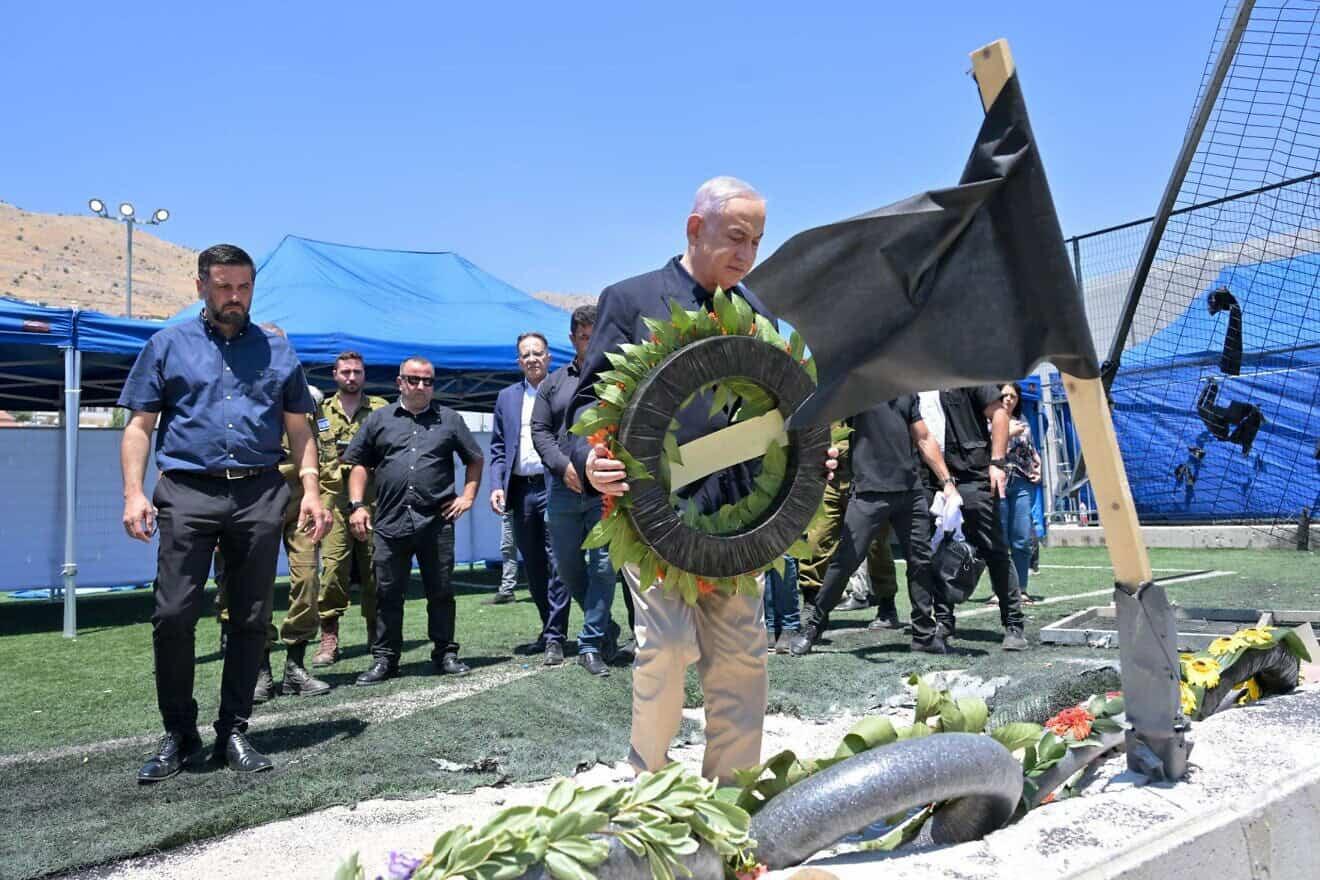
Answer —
71 260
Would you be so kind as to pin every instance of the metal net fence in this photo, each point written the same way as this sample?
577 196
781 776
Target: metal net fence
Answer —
1215 400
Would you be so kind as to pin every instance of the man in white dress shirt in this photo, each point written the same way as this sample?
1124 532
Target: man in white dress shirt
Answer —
519 480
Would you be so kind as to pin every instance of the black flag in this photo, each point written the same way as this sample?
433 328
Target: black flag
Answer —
952 287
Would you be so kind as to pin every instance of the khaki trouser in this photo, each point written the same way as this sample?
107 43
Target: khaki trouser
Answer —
725 637
301 621
824 539
339 549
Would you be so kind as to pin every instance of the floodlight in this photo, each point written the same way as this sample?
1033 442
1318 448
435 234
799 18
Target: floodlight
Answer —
97 206
126 210
160 215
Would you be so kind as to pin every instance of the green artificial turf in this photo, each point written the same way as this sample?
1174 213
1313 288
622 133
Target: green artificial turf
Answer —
81 806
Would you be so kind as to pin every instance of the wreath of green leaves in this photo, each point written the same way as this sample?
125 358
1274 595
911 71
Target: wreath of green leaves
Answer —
731 316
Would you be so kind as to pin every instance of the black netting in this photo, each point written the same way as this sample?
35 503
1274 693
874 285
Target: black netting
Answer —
1216 399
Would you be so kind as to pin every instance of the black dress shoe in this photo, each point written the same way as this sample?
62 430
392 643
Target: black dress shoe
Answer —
936 645
176 751
380 670
451 665
239 755
803 641
594 664
852 603
529 648
554 654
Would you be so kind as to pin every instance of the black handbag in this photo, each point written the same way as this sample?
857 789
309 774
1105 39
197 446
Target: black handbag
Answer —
957 569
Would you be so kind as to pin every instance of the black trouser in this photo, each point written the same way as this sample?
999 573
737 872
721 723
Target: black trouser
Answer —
245 518
908 515
982 529
392 560
527 500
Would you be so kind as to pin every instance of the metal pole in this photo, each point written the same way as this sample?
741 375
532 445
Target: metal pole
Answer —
128 293
1171 189
69 571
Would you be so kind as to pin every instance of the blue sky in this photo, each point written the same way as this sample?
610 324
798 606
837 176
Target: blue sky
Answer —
558 145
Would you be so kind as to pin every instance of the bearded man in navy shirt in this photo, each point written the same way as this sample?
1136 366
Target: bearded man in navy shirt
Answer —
220 393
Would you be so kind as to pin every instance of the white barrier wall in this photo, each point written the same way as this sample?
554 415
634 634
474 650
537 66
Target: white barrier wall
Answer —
32 495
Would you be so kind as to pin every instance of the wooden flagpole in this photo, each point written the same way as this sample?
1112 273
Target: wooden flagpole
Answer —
1147 637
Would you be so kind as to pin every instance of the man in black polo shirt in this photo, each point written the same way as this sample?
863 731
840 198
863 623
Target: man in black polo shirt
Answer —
410 447
225 392
972 425
886 490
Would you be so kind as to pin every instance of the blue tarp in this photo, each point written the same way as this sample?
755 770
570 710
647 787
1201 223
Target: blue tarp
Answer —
1156 390
386 305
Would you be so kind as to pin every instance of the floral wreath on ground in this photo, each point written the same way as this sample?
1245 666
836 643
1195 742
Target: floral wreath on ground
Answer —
1201 670
615 389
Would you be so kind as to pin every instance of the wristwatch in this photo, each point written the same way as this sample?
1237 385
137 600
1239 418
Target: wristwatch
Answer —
356 505
999 462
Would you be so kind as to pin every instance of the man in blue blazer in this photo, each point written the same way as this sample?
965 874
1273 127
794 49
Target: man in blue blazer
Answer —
520 487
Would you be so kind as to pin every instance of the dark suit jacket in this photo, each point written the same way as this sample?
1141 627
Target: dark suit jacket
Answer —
620 311
506 434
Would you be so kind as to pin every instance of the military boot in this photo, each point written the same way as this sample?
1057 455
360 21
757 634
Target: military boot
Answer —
327 654
297 681
265 688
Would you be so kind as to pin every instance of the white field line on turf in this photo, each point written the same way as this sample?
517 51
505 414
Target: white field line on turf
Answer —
1079 567
1106 592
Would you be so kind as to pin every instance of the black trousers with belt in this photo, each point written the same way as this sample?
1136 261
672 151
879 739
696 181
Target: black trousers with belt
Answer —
433 546
527 499
982 529
868 513
245 518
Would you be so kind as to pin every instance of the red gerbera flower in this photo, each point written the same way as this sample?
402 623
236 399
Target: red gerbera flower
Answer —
705 587
1075 721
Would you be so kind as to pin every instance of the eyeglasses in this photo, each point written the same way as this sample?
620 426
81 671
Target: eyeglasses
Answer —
414 381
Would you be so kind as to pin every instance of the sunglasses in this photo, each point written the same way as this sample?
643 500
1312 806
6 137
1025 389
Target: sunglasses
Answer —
414 381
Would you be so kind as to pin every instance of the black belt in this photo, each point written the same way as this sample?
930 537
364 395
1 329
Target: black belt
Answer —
227 473
533 479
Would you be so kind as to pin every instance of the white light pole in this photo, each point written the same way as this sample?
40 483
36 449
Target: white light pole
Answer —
129 217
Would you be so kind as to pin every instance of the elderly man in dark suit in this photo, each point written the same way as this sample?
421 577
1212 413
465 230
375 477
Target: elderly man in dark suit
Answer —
519 479
723 635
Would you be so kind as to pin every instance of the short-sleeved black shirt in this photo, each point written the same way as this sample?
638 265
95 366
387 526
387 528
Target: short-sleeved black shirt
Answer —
413 460
882 454
966 431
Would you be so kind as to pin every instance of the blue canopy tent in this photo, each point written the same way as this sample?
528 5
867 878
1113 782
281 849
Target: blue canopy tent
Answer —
388 305
1179 471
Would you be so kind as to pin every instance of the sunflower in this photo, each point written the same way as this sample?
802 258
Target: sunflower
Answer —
1186 699
1227 645
1251 690
1203 671
1257 636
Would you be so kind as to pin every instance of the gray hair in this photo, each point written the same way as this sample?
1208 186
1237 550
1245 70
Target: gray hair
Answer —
715 193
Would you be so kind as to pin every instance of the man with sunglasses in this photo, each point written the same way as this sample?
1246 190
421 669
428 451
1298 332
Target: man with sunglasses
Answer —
409 448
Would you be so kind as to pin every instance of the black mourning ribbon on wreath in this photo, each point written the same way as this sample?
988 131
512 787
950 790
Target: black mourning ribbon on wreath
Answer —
952 287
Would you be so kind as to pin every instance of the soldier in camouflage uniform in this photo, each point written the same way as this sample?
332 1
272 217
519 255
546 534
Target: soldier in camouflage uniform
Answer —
341 415
300 621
